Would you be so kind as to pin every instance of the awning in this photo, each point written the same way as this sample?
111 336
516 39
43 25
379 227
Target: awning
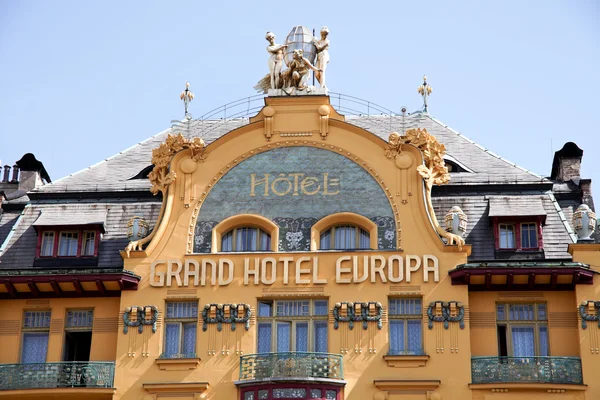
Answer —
516 206
73 215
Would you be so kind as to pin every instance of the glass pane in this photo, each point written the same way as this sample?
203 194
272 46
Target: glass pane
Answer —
345 237
364 240
521 312
331 395
320 338
295 393
185 309
300 308
326 240
405 307
500 312
265 309
301 336
523 341
284 330
263 394
265 241
543 341
47 244
35 347
246 239
415 336
541 312
89 241
264 337
321 307
172 339
507 236
249 396
396 336
315 393
37 319
189 339
80 319
67 246
227 241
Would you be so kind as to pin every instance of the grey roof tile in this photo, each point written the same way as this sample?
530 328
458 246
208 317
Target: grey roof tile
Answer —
516 206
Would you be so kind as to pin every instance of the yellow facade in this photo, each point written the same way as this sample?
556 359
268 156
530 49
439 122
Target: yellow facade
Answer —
417 268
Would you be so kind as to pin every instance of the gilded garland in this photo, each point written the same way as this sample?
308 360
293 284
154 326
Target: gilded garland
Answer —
351 316
433 170
446 316
140 320
235 317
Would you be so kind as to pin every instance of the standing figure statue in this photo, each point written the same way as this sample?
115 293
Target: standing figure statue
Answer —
276 59
298 71
322 55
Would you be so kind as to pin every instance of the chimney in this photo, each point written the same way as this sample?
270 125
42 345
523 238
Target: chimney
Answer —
566 165
6 173
33 173
15 177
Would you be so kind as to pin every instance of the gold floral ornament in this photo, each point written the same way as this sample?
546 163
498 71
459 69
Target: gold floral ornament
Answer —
433 170
162 177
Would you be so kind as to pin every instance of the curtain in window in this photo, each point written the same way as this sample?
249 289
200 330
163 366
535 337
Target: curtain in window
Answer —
227 242
326 240
35 347
172 339
283 336
523 341
301 336
364 241
396 336
246 239
265 241
345 237
414 328
264 337
47 244
189 339
543 341
321 336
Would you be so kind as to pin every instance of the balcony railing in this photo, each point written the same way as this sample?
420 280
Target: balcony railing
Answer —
52 375
291 365
558 370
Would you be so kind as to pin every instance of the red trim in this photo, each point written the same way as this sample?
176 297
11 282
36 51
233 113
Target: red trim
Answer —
270 387
57 234
517 222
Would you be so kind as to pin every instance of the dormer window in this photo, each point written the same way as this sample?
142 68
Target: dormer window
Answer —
517 223
71 243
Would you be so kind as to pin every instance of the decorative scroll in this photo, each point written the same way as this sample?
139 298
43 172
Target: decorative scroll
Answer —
235 317
352 317
140 320
585 316
446 316
433 170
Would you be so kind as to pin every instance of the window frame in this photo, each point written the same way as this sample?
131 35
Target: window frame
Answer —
517 223
504 225
77 236
25 330
242 220
405 318
358 231
57 231
182 321
274 319
536 322
343 218
233 232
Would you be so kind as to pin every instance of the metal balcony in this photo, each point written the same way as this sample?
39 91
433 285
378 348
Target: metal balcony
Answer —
273 366
557 370
52 375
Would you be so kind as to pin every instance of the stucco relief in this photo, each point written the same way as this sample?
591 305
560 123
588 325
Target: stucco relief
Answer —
295 187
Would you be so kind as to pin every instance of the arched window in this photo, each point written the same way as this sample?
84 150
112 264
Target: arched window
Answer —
246 238
345 237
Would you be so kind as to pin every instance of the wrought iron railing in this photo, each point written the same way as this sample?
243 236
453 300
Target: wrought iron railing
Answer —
53 375
558 370
178 355
291 365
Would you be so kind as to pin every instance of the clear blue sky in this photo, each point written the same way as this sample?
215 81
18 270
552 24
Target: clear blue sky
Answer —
82 80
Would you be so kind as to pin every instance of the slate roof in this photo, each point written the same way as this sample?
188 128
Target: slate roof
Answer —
519 206
474 189
88 214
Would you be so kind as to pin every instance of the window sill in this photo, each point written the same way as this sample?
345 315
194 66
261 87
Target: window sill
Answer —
406 361
177 364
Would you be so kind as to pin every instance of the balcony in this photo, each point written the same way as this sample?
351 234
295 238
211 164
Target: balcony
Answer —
53 375
287 366
554 370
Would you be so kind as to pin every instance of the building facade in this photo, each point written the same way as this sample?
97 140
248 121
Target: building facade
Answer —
303 253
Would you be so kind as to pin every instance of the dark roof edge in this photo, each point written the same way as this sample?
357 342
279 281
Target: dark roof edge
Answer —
137 194
490 187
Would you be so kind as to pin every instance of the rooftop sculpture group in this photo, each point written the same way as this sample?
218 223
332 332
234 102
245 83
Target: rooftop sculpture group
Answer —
298 53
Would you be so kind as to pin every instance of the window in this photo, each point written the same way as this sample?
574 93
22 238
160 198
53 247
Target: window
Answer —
522 329
74 243
406 326
89 243
246 239
67 246
507 236
36 328
47 248
292 325
345 237
293 391
78 335
529 235
181 320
